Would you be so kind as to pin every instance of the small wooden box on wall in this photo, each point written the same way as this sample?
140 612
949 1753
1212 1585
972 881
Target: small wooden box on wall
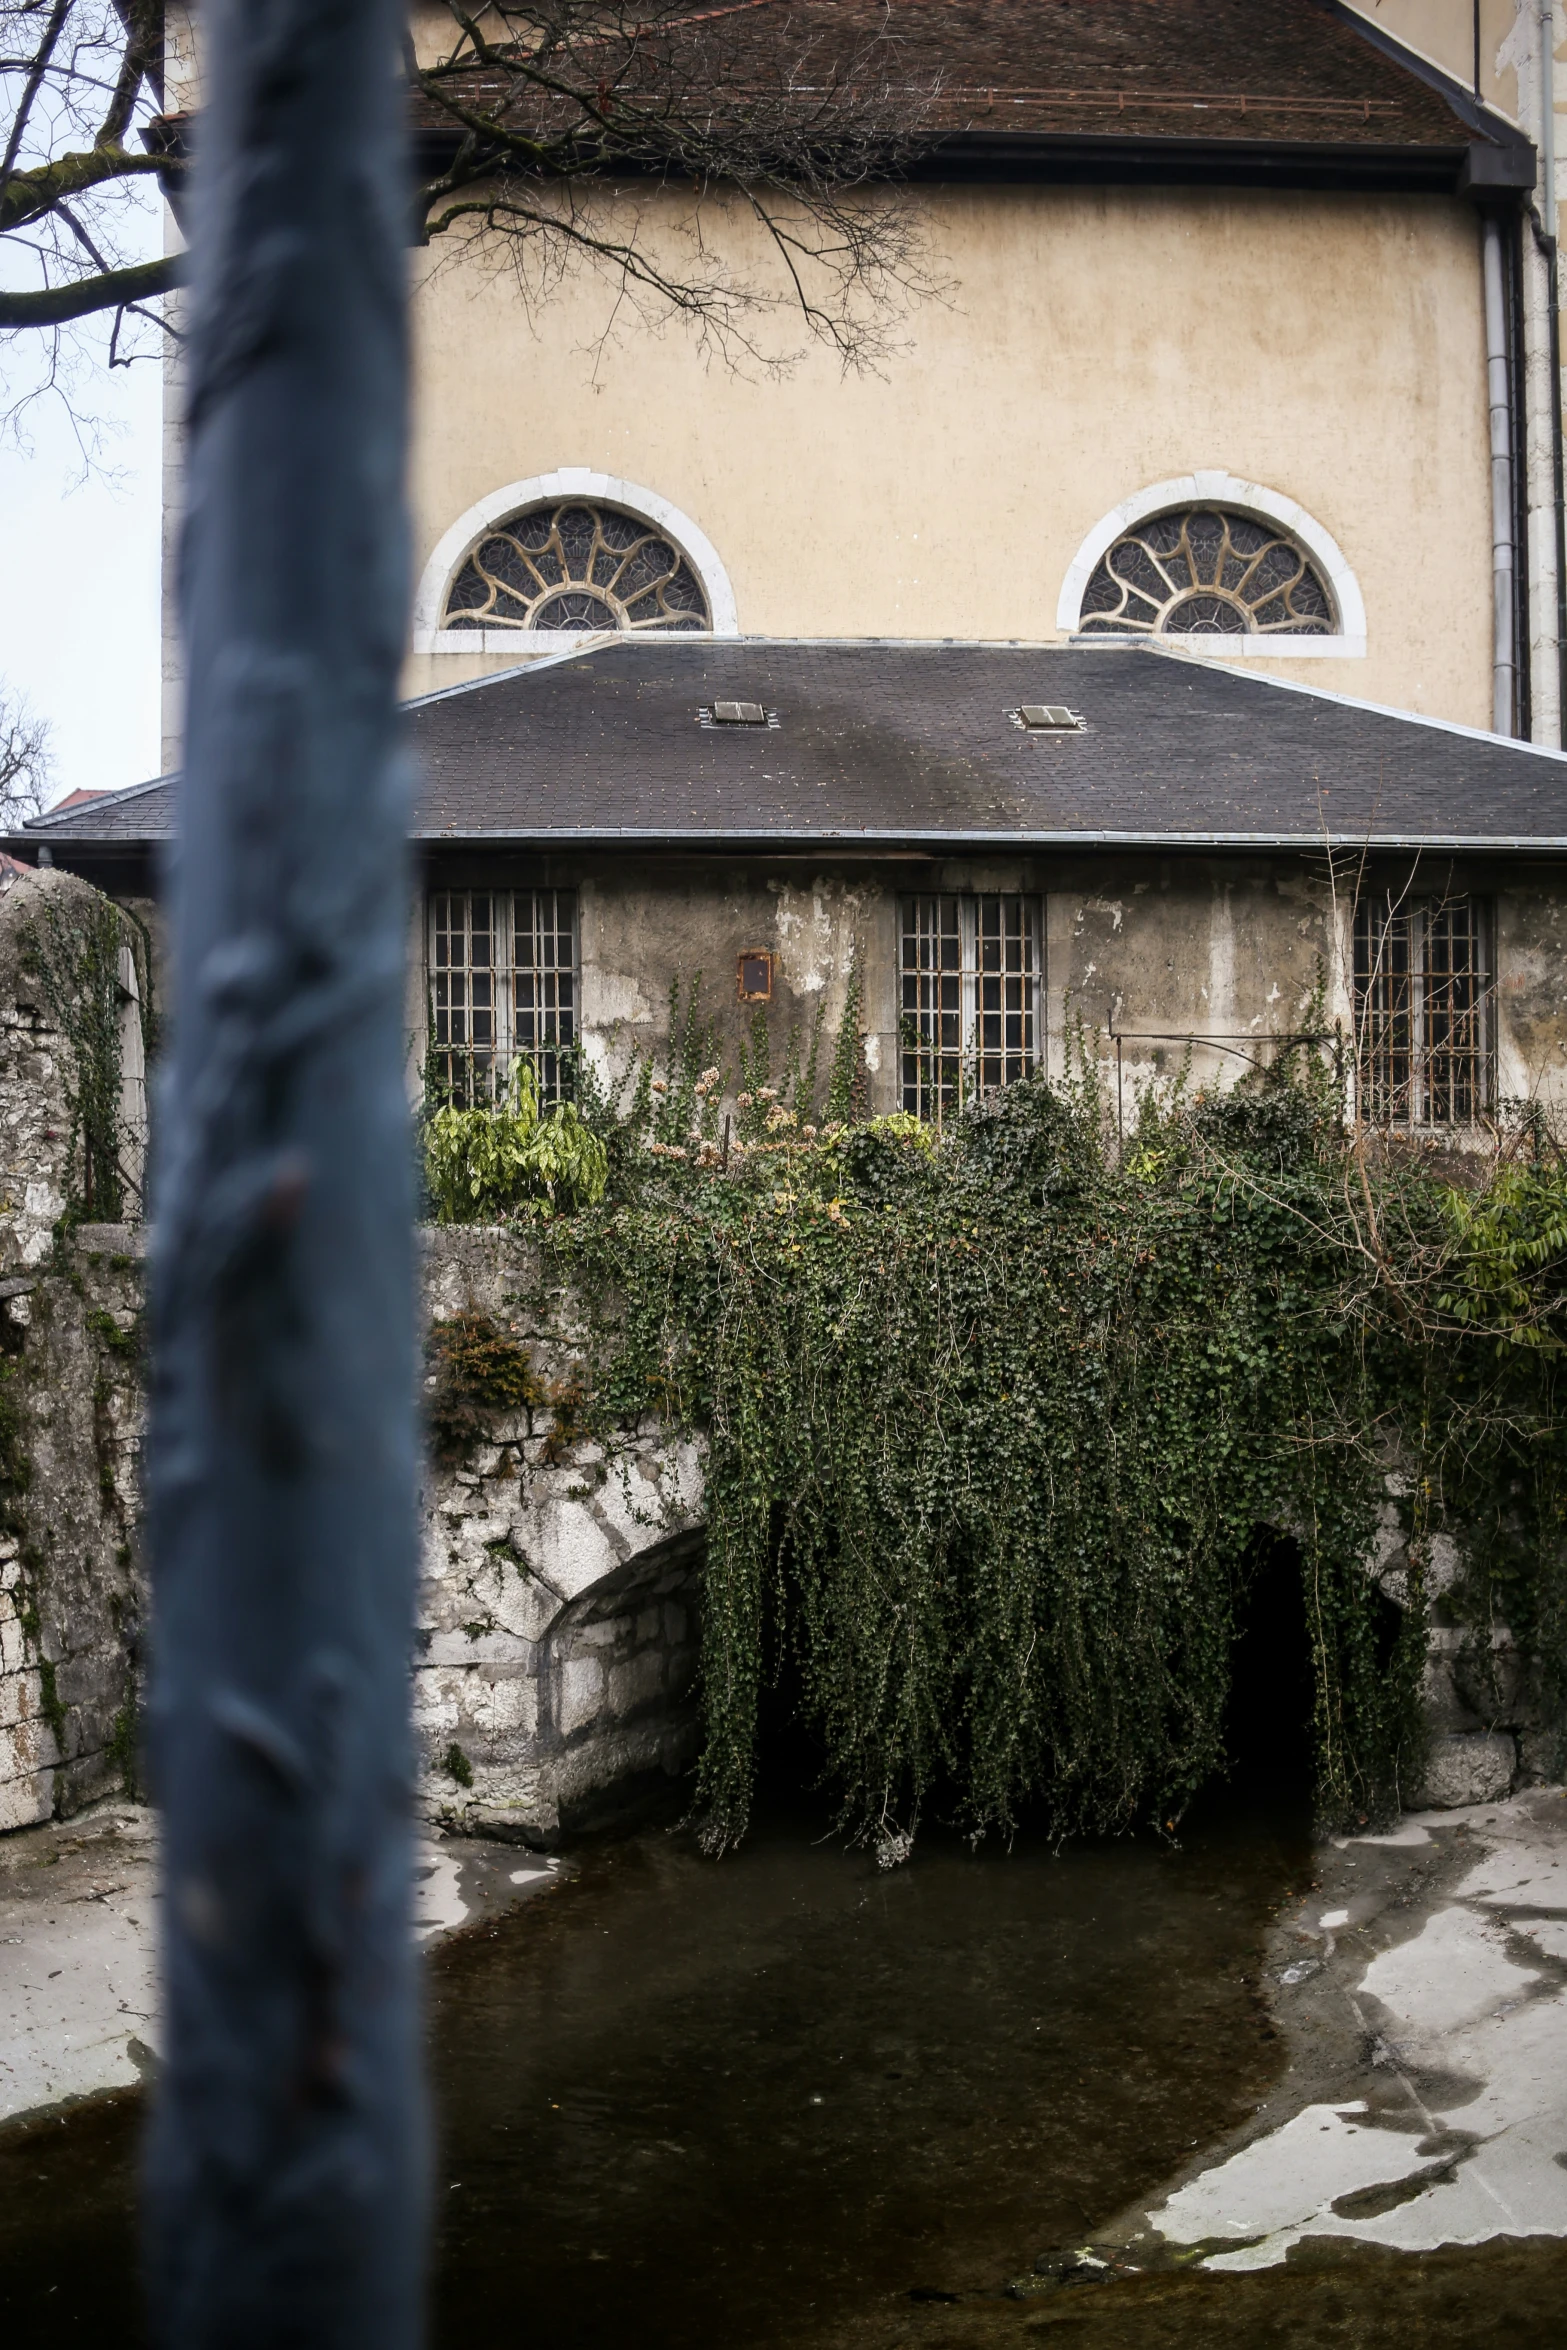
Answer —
754 976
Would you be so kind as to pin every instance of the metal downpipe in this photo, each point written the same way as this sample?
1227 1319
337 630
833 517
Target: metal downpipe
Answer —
1553 307
1504 657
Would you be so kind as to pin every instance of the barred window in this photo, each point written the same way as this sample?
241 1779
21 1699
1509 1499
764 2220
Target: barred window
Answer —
970 998
503 982
1422 1012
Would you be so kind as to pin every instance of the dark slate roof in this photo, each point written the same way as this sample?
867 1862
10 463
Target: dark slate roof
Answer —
1054 80
914 743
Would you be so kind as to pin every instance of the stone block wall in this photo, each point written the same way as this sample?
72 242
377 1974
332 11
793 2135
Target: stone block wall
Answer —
72 1598
556 1647
1487 1728
35 1118
558 1622
555 1657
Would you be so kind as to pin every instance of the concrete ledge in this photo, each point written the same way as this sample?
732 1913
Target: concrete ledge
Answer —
113 1240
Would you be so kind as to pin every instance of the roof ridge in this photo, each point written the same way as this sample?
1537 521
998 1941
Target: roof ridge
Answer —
101 799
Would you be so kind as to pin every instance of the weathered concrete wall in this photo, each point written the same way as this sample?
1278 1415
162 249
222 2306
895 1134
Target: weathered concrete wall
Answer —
72 1598
1227 951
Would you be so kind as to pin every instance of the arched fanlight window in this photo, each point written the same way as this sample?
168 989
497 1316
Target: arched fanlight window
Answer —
1203 571
569 565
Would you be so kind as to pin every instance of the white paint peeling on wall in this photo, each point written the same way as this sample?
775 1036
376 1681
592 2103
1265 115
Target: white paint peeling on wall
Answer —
816 926
609 997
1221 954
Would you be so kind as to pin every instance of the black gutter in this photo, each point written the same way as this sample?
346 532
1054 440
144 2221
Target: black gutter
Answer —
1482 168
1517 369
1494 160
1133 159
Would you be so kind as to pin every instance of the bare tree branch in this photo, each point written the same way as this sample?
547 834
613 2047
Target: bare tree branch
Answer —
24 760
38 66
80 83
734 166
549 128
112 289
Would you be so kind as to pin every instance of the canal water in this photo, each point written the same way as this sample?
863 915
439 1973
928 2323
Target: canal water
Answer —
791 2099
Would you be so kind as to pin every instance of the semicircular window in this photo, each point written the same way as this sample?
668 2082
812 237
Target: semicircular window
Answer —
575 566
1200 571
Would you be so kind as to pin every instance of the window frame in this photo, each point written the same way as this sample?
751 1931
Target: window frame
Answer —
455 545
939 1074
1209 485
1411 1076
473 1066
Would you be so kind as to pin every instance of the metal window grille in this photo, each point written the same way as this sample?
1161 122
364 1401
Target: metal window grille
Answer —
503 983
1422 1012
969 999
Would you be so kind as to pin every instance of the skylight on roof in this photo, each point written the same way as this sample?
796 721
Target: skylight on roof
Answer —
737 714
1047 718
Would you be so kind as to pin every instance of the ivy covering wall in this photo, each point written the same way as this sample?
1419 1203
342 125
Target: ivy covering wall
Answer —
993 1421
71 948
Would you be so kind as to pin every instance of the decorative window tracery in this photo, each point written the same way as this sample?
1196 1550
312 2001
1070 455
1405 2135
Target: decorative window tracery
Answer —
571 565
1206 571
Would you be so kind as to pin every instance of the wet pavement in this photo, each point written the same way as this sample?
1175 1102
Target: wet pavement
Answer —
793 2099
78 1910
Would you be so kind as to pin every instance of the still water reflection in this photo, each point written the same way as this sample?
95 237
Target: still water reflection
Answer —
793 2100
768 2101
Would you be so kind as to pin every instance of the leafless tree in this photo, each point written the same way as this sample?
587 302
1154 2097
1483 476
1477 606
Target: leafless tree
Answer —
79 81
551 130
545 134
24 760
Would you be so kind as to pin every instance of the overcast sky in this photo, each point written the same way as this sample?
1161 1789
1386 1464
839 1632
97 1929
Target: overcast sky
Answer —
79 583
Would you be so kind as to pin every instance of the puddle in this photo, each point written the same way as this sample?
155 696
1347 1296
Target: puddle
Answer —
792 2099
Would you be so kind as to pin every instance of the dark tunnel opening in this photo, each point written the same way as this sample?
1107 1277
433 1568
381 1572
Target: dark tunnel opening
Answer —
1268 1731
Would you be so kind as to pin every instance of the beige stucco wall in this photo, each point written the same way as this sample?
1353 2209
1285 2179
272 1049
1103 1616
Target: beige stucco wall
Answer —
1094 342
1443 31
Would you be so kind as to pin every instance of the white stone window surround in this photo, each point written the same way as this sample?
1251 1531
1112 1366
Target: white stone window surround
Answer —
1209 487
452 550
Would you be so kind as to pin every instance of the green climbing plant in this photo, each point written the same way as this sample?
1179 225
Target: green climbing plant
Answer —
72 949
992 1424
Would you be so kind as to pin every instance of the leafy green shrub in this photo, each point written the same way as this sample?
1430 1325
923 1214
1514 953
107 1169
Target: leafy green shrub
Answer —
477 1370
503 1160
1508 1256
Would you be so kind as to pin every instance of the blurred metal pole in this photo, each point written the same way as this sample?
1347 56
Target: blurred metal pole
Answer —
285 2182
